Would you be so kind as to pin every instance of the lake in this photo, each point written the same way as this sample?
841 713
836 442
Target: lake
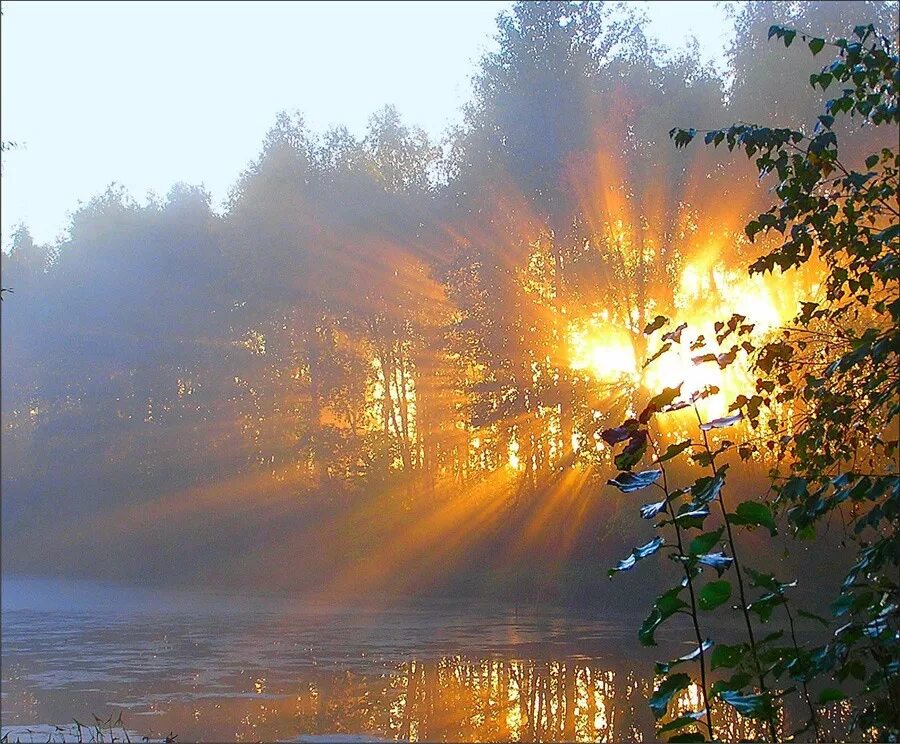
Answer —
219 667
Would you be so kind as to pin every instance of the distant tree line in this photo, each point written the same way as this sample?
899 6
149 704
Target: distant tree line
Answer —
388 314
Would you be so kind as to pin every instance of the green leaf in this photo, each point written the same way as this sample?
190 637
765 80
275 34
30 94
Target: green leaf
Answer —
668 688
813 616
734 684
871 161
765 605
633 452
831 695
749 706
705 542
768 581
664 667
694 736
686 719
636 555
673 450
755 514
816 45
727 656
689 516
660 401
664 607
628 482
706 489
714 594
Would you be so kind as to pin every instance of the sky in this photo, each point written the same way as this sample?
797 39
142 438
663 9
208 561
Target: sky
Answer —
147 94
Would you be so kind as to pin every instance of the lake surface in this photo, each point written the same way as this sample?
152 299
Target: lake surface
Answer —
223 668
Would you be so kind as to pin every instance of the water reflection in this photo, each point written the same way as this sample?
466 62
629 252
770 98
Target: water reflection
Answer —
417 676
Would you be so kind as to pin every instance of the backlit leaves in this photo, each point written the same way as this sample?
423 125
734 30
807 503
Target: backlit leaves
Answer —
633 452
628 482
673 450
659 402
664 667
637 554
722 423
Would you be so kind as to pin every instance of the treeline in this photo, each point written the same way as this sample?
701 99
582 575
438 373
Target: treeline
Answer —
387 316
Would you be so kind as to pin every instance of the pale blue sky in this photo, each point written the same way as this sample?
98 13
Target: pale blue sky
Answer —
151 93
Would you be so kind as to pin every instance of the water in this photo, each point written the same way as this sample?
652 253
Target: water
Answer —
221 668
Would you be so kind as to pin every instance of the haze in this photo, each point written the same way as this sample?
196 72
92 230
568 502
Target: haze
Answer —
150 93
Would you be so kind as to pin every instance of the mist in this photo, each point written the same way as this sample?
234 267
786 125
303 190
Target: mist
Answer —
365 373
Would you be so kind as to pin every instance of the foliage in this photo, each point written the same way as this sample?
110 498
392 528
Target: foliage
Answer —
830 386
379 328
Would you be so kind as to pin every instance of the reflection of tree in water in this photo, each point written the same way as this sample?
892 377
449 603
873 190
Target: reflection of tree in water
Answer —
461 699
450 698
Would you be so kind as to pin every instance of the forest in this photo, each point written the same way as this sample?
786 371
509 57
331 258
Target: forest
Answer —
398 366
400 329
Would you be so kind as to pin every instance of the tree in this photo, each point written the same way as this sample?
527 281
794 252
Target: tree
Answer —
830 386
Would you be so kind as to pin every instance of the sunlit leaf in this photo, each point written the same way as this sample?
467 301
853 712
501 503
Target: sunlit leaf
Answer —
637 554
664 667
675 335
628 482
659 401
659 352
620 433
658 322
689 737
718 561
721 423
649 511
702 358
673 450
633 452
